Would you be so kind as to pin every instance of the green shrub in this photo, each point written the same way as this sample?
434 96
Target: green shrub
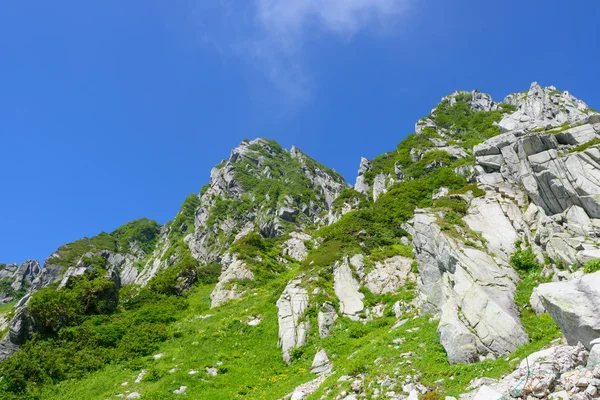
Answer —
524 260
143 231
52 309
457 205
592 266
358 330
209 273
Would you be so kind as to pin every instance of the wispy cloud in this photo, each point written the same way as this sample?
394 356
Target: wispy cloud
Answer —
275 39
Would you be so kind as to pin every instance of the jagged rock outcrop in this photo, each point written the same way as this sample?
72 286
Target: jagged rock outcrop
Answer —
563 187
293 324
20 278
361 186
471 291
575 306
22 326
233 270
20 330
86 266
346 289
540 107
253 161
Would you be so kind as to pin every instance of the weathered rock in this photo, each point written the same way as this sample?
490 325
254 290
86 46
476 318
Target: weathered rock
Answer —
574 307
346 289
578 135
321 363
389 275
226 289
22 276
456 277
295 247
540 107
326 319
594 358
293 325
536 303
541 376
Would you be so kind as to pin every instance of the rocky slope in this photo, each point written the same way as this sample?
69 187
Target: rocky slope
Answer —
469 247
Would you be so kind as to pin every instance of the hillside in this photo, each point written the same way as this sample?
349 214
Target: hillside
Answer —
469 247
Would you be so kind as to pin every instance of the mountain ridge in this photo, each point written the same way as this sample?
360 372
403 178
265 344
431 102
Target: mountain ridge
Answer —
442 241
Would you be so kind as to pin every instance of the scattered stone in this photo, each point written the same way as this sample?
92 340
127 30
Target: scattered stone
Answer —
140 376
211 371
254 321
181 390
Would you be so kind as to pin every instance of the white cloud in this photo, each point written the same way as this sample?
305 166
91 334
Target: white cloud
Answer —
276 33
287 21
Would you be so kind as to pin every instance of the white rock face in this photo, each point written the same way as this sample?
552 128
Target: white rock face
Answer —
346 289
541 107
295 247
226 289
292 323
574 306
471 292
486 215
389 275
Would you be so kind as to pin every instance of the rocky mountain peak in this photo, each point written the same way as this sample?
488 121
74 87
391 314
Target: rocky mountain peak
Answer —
261 187
543 107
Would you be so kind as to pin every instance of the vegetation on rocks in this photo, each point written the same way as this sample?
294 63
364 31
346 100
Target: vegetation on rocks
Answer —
92 341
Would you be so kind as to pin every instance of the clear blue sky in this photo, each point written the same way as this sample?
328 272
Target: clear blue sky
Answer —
115 110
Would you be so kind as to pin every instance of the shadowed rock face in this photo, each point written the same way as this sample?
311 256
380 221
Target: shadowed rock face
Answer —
20 277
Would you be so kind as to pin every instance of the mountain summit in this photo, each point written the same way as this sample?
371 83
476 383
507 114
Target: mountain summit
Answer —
470 251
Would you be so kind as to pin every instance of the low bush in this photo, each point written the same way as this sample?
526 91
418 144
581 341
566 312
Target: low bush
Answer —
592 266
524 260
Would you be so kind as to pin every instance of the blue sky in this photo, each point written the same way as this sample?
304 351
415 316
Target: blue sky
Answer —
116 110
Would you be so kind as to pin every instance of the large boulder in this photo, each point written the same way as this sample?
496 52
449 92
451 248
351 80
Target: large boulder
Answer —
575 306
293 325
346 289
